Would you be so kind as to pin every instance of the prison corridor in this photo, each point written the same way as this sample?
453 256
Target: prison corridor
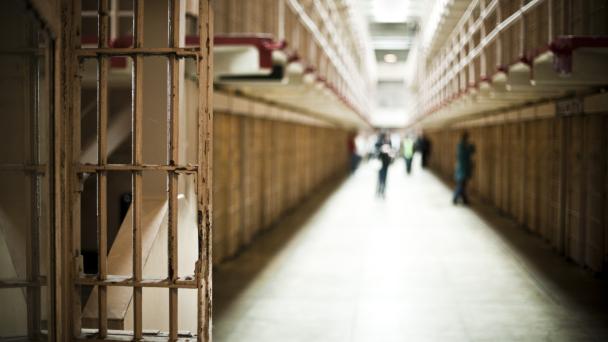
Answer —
349 266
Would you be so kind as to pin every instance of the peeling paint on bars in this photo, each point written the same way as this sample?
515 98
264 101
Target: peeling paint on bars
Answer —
102 159
172 159
205 175
174 55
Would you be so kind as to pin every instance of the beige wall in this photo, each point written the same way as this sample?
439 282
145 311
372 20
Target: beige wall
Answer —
547 172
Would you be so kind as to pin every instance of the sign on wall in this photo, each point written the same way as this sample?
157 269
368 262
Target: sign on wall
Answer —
568 107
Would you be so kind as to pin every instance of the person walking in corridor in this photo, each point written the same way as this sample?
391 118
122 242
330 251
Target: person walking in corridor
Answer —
355 158
464 165
386 158
423 145
407 149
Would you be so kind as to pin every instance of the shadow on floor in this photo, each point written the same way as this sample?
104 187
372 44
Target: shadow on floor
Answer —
265 246
563 282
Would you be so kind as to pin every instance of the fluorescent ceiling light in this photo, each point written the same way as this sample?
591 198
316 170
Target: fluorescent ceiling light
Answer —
390 11
390 58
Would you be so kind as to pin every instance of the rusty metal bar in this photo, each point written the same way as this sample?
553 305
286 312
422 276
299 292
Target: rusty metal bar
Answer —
143 51
126 281
181 169
137 160
205 174
173 157
102 159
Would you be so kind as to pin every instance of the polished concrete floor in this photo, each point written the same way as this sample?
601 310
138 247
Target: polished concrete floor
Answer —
348 266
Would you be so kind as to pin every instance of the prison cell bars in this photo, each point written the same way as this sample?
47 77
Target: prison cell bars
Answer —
313 34
36 58
456 57
173 169
115 14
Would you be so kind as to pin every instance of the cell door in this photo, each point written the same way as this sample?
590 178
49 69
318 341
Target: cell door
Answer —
143 127
26 175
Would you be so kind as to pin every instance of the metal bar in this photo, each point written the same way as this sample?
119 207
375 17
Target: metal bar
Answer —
33 233
498 59
125 336
561 129
15 283
522 32
102 159
126 281
39 169
173 157
49 258
113 21
71 257
25 51
117 13
550 20
205 174
181 169
483 64
137 160
143 51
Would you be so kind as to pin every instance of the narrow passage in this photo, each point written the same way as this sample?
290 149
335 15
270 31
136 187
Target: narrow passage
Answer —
348 266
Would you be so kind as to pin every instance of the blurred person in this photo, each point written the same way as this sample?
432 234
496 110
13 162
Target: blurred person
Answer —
423 145
385 156
381 140
464 165
407 149
355 158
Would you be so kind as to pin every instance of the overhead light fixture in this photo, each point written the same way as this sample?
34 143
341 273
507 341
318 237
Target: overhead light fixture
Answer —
390 58
390 11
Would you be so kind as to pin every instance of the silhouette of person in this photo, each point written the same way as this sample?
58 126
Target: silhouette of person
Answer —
385 159
423 145
464 165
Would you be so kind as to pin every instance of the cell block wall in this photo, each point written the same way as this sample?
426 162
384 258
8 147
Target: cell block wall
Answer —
548 173
263 168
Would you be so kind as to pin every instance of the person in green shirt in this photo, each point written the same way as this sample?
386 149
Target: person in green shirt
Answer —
407 149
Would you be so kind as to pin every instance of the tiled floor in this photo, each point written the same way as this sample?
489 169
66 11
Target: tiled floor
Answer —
348 266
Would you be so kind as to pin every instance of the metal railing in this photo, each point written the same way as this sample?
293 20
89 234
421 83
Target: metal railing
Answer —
494 35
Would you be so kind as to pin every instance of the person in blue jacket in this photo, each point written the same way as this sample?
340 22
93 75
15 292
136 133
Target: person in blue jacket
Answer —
464 165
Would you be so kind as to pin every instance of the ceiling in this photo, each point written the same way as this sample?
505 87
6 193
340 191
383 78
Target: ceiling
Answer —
393 26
